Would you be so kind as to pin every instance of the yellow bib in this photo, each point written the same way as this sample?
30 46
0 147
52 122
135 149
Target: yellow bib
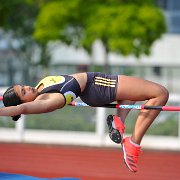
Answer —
51 80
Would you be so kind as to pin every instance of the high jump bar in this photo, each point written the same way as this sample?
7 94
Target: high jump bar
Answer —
134 107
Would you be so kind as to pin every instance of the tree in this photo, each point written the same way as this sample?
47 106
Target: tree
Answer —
17 20
125 27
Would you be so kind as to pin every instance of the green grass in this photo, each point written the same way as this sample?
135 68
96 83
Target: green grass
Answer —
68 118
6 122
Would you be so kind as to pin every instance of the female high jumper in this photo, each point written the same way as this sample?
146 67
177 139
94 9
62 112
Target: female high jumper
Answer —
95 89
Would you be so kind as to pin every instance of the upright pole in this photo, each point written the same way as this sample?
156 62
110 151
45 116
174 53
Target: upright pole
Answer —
100 123
20 125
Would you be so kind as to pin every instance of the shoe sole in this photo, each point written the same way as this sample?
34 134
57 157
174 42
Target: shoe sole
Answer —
115 134
124 153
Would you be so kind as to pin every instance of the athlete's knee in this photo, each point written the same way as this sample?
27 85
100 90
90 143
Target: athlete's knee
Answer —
163 94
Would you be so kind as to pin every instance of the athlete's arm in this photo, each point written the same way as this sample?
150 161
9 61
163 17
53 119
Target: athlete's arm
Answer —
35 107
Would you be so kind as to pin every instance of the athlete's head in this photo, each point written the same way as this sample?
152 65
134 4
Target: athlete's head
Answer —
19 94
10 98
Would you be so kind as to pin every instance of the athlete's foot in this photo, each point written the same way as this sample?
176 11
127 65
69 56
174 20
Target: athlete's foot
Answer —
131 152
116 128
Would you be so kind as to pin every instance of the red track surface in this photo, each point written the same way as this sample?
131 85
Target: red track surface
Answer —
86 163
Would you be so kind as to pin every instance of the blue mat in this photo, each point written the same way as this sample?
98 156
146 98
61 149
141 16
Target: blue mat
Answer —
9 176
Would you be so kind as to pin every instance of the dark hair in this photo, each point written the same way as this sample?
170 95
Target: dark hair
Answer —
10 98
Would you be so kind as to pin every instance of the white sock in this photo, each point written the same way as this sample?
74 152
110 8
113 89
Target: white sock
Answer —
137 145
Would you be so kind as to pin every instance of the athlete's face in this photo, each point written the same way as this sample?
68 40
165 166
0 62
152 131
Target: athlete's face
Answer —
26 93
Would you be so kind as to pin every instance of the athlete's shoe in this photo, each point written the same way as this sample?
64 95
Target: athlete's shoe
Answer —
131 153
116 128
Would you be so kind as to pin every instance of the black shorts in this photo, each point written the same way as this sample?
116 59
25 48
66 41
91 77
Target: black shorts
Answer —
100 89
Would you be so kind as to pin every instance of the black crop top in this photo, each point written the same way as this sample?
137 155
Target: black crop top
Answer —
64 84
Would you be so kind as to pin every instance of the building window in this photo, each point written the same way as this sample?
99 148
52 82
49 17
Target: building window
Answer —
172 13
162 4
157 70
174 5
175 23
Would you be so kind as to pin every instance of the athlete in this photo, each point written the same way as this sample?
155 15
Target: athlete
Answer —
95 89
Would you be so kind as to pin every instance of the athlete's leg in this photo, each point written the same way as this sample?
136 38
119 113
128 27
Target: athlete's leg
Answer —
136 89
122 113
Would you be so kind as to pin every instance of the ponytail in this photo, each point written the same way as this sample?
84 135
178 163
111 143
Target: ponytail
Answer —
10 98
15 118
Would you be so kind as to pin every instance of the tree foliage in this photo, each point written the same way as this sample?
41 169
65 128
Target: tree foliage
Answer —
58 20
18 16
124 26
